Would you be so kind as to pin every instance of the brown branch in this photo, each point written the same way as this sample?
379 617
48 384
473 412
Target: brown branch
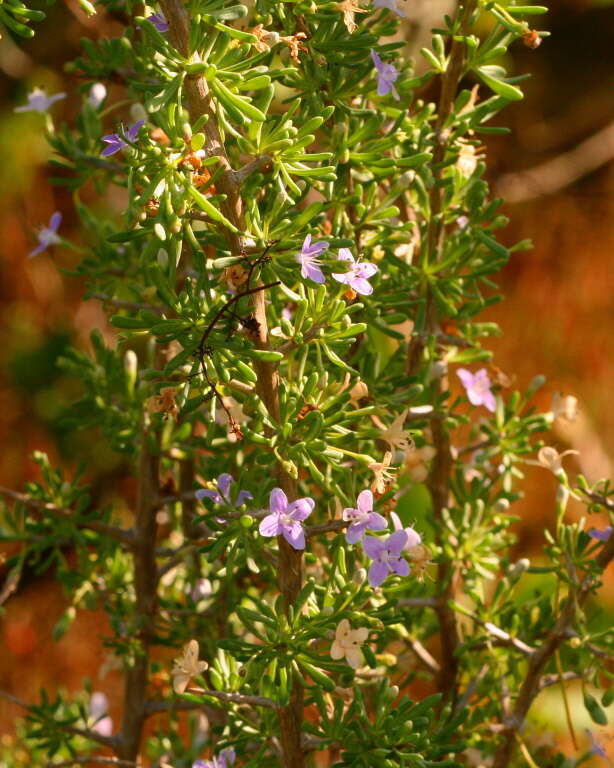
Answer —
441 466
122 535
290 571
542 655
560 172
155 707
93 759
120 304
251 167
146 587
106 741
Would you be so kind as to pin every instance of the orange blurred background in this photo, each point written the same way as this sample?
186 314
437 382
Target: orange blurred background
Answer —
557 318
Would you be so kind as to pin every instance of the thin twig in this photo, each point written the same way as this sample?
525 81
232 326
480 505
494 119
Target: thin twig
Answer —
120 304
153 707
255 165
106 741
122 535
93 759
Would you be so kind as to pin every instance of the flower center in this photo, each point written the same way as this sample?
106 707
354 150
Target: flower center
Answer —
356 516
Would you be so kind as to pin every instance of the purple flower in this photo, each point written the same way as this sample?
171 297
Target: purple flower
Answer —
390 4
477 386
362 518
386 76
386 556
309 261
224 760
286 519
222 495
38 101
602 535
595 747
48 235
117 141
413 537
159 21
357 274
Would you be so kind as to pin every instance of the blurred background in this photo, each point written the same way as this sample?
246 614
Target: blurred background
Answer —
556 172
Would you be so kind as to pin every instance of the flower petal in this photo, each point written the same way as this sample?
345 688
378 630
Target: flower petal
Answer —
373 547
466 377
55 221
400 567
377 522
242 497
270 526
278 501
377 573
223 483
361 286
354 657
205 493
396 542
294 535
355 532
301 508
336 651
364 502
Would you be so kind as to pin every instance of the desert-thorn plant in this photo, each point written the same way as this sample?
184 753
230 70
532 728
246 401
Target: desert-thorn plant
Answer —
320 530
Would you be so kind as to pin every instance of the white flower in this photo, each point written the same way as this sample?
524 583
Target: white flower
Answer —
97 94
347 643
187 666
38 101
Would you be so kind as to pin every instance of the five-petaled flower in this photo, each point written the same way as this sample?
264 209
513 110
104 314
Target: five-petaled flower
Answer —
358 273
224 760
477 386
347 643
159 21
601 534
117 141
38 101
286 518
362 518
309 261
222 495
47 236
386 76
187 666
386 556
383 475
391 5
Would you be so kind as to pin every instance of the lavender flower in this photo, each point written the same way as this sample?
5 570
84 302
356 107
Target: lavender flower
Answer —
386 76
358 273
386 556
159 22
117 141
477 386
601 535
99 707
596 747
391 5
222 495
286 518
224 760
48 235
38 101
309 261
413 537
362 518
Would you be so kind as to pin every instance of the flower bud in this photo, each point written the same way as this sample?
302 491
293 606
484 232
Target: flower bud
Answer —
131 366
327 610
162 258
359 577
246 521
97 94
138 112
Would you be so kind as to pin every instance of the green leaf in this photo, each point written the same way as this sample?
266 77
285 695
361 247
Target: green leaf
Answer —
500 86
205 205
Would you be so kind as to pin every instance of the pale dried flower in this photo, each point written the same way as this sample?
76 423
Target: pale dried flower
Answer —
347 643
383 476
564 406
349 9
549 458
358 392
164 403
415 461
187 666
395 435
